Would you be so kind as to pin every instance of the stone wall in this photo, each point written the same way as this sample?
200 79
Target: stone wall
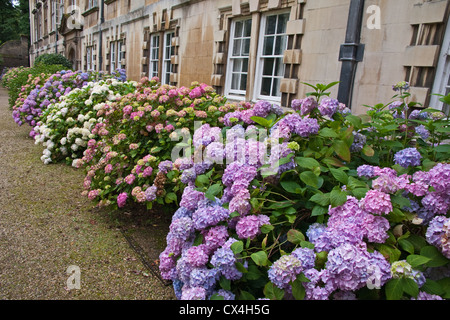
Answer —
14 53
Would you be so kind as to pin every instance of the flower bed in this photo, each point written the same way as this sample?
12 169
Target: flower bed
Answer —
315 203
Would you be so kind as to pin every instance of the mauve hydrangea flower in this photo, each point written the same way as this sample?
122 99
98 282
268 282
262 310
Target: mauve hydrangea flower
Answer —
306 256
328 107
194 293
209 215
284 270
445 243
435 232
165 166
223 257
408 157
376 202
204 278
182 228
423 132
262 108
122 199
197 256
358 142
249 227
240 203
439 177
314 231
427 296
227 295
191 198
150 193
436 202
308 104
366 171
232 118
215 237
313 289
347 266
308 126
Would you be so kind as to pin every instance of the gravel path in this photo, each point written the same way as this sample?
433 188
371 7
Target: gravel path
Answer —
47 226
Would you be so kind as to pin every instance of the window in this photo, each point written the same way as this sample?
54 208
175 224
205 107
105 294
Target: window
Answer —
154 56
269 51
270 68
442 79
116 55
169 51
91 4
90 59
239 57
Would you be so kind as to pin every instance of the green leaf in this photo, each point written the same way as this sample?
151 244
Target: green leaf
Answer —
318 211
266 228
307 163
342 150
322 199
237 247
225 283
436 258
291 186
416 260
295 236
394 289
328 133
410 287
339 175
246 296
433 287
260 258
310 179
298 291
407 246
261 121
272 292
337 198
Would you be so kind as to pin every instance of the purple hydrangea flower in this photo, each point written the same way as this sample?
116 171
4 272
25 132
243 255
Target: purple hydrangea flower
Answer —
377 202
408 157
284 270
248 227
328 107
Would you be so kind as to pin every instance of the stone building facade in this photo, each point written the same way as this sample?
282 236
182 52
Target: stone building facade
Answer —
258 49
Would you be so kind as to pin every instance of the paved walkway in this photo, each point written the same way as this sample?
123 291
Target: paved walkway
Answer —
47 226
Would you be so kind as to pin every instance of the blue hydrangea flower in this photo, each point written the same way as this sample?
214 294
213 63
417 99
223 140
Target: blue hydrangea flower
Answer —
408 157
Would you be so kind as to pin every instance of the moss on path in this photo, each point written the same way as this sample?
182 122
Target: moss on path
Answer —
47 226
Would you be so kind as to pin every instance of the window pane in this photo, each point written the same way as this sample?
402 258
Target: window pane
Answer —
271 24
235 81
247 28
279 67
237 47
280 45
238 29
244 65
245 47
276 88
237 65
243 82
268 46
268 67
266 86
282 22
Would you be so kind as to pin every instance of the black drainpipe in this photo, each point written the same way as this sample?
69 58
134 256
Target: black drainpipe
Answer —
100 51
351 52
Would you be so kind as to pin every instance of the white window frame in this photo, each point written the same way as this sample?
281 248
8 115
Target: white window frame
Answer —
90 59
261 57
229 91
116 55
113 57
442 78
167 67
155 47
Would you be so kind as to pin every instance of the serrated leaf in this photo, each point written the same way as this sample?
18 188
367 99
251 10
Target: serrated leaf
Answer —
416 260
307 163
272 292
339 175
291 186
298 291
295 236
260 258
394 289
337 198
322 199
237 247
342 150
436 258
310 179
